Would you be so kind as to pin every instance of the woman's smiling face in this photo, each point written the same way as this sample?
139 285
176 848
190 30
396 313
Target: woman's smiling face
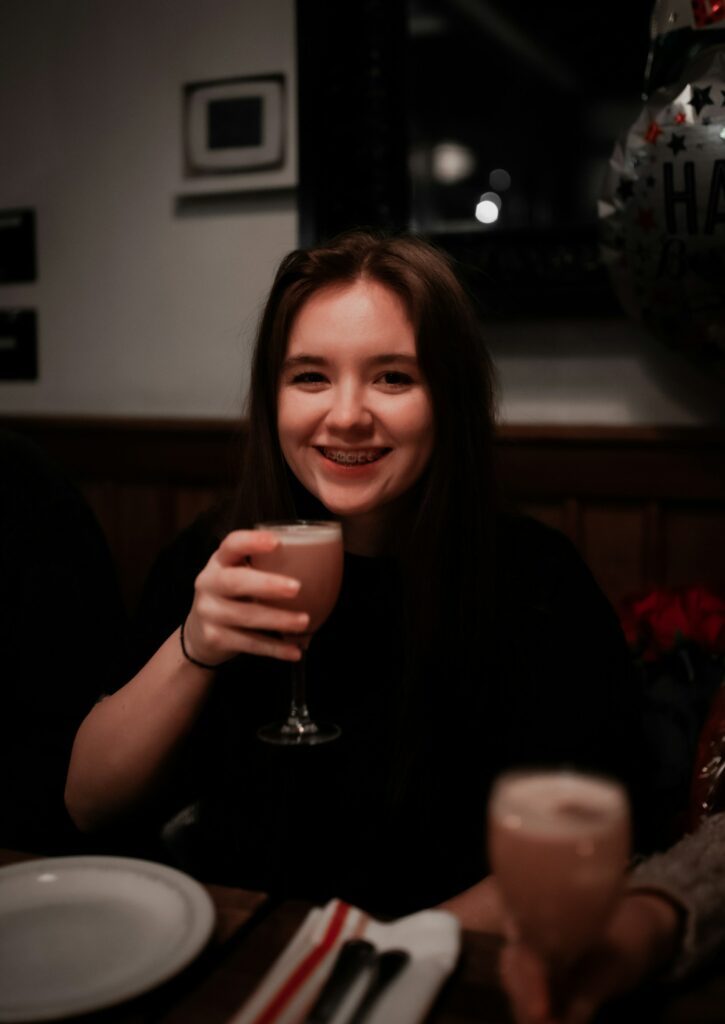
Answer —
354 413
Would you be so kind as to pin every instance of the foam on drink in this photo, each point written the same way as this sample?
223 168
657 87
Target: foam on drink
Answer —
561 803
304 533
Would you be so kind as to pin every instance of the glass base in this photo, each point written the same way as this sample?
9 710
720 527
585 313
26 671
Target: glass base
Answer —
298 734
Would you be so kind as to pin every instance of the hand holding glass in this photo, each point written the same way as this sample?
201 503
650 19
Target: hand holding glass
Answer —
310 551
558 846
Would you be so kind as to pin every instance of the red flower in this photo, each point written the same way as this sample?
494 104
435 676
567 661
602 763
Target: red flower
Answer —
656 622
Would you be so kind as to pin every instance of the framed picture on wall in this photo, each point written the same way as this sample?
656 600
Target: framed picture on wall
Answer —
235 135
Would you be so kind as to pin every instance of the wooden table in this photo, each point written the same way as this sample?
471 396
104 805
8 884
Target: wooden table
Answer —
251 930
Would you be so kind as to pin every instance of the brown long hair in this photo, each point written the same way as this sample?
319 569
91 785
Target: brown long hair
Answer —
447 560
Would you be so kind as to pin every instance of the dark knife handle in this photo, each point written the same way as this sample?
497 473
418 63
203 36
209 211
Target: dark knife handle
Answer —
386 967
354 956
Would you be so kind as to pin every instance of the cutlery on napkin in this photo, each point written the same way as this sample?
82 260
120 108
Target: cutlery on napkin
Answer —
356 957
352 959
385 968
417 952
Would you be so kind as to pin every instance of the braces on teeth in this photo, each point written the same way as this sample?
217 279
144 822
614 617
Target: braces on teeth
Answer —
352 458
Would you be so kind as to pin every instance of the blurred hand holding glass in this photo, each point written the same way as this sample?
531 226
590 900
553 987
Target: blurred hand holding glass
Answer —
559 845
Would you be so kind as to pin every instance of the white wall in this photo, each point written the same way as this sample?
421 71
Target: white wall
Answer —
606 372
144 309
148 309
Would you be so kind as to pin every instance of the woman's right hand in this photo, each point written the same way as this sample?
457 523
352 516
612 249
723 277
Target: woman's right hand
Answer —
239 609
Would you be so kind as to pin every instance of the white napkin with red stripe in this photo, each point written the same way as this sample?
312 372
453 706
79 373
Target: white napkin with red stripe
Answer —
288 990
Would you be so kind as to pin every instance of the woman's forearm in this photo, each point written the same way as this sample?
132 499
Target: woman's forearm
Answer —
126 743
479 908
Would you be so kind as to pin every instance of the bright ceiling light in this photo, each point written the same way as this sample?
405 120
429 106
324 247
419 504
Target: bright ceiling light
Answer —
488 208
452 162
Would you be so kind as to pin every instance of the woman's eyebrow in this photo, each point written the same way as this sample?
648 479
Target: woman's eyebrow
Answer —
394 357
304 360
384 359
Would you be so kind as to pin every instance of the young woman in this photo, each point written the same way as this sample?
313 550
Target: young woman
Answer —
463 642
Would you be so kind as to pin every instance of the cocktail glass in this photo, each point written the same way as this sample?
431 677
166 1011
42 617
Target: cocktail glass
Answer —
559 844
310 551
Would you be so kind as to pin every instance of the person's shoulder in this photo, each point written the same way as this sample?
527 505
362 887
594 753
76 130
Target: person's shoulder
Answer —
31 481
192 547
540 565
47 521
21 456
523 540
168 591
545 582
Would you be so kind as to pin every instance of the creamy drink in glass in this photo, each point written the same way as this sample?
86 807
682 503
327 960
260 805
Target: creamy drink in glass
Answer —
310 551
559 844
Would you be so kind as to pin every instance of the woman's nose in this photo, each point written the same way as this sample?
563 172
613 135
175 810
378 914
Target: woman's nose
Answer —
348 409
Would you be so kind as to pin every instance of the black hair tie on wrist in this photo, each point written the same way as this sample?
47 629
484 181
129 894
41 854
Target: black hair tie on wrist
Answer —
199 664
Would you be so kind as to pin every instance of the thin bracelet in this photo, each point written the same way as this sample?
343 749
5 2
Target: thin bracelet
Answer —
199 664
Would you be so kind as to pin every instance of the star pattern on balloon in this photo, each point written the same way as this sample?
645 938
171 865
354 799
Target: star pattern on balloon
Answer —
700 97
667 265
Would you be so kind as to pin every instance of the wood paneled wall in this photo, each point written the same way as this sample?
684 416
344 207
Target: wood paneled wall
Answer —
644 506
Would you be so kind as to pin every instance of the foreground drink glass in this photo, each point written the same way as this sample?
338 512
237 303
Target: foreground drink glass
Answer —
558 845
311 552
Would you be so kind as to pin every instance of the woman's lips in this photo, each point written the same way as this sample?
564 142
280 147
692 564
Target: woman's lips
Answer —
353 456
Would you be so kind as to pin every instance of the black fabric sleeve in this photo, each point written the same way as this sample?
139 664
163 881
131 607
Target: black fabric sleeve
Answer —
168 592
165 602
572 693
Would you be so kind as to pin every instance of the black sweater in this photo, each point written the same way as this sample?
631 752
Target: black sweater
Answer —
555 687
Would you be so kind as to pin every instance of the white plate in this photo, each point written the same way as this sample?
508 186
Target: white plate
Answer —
81 933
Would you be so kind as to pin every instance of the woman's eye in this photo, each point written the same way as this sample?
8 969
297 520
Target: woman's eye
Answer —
396 378
308 377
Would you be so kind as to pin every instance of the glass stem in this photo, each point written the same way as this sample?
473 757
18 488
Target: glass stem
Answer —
299 716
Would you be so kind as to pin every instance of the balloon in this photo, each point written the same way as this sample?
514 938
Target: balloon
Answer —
662 210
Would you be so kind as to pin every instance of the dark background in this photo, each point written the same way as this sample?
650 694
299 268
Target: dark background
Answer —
540 89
